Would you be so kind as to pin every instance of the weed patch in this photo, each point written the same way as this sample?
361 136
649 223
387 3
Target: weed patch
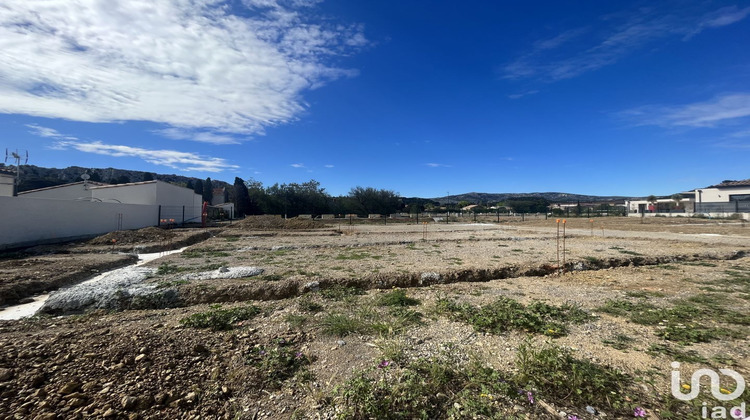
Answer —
559 377
397 298
341 292
279 363
220 319
438 387
507 314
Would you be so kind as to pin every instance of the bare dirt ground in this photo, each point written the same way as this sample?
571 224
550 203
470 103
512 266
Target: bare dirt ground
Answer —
392 321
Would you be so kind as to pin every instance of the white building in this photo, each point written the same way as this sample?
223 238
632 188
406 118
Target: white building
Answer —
724 199
177 204
726 192
81 210
74 191
666 205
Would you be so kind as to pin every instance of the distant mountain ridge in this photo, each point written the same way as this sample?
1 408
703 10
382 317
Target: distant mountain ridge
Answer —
554 197
33 177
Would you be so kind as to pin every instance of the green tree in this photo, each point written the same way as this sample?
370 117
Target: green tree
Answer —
148 176
677 198
208 190
241 197
373 201
198 188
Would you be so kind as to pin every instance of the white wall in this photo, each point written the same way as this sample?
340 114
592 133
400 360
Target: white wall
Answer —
172 198
28 221
140 193
64 192
6 185
718 195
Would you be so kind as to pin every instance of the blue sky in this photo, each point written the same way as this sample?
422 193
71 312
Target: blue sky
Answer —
425 98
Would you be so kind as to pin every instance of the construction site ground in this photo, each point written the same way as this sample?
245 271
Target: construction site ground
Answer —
320 319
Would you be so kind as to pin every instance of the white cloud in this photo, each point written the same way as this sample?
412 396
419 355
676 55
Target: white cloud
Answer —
437 165
727 108
171 158
329 166
193 64
522 94
47 132
297 165
556 59
201 136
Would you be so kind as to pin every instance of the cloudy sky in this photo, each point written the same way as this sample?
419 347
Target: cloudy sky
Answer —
424 97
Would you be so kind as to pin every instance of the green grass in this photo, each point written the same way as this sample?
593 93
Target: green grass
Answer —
448 386
369 321
689 356
169 268
357 256
220 319
688 321
619 342
341 292
306 304
276 364
506 314
397 298
427 388
559 377
203 252
643 294
341 325
295 320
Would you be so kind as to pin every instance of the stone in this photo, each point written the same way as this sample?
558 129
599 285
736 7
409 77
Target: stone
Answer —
140 357
191 397
129 402
5 374
109 413
312 286
70 387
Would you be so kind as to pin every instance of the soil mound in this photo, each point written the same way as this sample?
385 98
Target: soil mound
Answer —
276 222
145 235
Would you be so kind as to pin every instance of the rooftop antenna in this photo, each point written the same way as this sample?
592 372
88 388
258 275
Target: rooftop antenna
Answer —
17 156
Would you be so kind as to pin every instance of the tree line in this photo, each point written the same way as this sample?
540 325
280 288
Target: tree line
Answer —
252 198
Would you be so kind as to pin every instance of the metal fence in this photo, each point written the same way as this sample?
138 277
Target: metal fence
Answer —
179 215
730 207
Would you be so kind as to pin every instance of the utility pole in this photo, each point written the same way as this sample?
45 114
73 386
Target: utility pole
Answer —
16 157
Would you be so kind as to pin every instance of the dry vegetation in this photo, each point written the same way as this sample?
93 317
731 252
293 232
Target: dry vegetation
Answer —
403 320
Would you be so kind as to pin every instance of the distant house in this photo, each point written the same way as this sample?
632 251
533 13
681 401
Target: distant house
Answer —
728 197
725 192
662 205
219 196
7 181
470 207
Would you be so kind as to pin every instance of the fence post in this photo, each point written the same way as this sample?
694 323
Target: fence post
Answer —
158 220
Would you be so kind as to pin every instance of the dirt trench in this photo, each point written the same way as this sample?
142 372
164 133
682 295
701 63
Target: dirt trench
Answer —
203 292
